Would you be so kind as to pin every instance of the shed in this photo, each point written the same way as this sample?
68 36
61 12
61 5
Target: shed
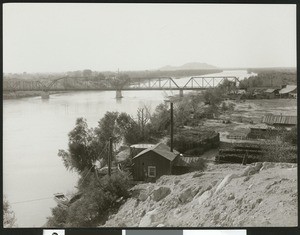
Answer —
288 91
271 93
153 162
260 131
280 120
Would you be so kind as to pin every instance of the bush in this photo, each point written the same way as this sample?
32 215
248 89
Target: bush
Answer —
291 136
98 199
58 218
9 220
279 151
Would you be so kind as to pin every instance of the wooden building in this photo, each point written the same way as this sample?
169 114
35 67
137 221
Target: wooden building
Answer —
289 91
280 120
153 162
272 93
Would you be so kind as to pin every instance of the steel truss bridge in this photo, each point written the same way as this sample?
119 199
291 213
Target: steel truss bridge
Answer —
82 84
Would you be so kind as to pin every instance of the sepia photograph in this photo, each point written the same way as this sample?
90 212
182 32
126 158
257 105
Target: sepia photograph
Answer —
150 116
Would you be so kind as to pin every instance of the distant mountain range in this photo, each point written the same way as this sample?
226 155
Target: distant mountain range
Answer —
188 66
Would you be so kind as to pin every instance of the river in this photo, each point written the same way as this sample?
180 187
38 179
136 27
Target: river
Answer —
35 129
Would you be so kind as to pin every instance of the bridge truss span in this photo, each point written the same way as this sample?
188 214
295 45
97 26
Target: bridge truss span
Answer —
82 83
207 82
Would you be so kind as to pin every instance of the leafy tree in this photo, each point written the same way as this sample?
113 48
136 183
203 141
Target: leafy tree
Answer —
129 129
9 219
213 97
87 73
119 81
58 218
107 127
84 148
160 120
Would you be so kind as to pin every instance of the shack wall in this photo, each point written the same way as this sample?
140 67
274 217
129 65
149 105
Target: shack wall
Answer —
141 163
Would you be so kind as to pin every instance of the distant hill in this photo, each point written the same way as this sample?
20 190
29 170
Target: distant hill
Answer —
188 66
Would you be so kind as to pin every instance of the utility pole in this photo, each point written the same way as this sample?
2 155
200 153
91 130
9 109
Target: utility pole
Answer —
109 156
171 126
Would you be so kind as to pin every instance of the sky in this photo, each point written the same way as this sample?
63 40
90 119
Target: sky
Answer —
40 37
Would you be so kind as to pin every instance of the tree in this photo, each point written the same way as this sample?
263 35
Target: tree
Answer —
9 219
107 127
213 97
119 81
58 218
143 116
87 73
160 120
128 129
84 148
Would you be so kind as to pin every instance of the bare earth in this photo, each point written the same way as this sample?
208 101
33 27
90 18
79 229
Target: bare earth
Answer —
227 195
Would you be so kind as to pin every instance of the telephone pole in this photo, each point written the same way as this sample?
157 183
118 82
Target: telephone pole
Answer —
171 103
109 156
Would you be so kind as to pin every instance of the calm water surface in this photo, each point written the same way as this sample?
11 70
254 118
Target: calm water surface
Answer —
34 130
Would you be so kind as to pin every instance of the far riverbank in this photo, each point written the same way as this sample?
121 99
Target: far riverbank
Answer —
25 94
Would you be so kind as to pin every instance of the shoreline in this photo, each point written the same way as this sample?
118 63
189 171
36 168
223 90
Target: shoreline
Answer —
26 94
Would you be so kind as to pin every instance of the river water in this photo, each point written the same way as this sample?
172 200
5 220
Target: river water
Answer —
35 129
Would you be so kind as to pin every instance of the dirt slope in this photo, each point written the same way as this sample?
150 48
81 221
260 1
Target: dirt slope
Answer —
231 195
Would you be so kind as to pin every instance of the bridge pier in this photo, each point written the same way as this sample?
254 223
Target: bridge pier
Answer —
119 94
181 93
45 95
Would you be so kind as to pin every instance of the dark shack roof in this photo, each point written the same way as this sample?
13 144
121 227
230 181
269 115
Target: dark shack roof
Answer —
279 119
162 150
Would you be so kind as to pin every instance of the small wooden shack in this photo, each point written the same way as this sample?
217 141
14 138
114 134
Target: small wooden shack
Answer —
271 93
153 162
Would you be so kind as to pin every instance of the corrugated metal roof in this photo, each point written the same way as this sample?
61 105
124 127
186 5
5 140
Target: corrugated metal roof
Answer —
145 146
279 119
288 89
270 90
186 161
161 149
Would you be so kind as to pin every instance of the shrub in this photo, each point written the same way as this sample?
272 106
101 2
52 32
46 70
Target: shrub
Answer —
58 218
291 136
98 198
279 151
9 220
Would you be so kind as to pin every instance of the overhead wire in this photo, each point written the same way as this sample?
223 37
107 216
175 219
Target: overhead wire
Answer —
32 200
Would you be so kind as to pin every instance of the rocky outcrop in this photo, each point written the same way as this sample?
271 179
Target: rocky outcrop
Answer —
160 193
227 195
